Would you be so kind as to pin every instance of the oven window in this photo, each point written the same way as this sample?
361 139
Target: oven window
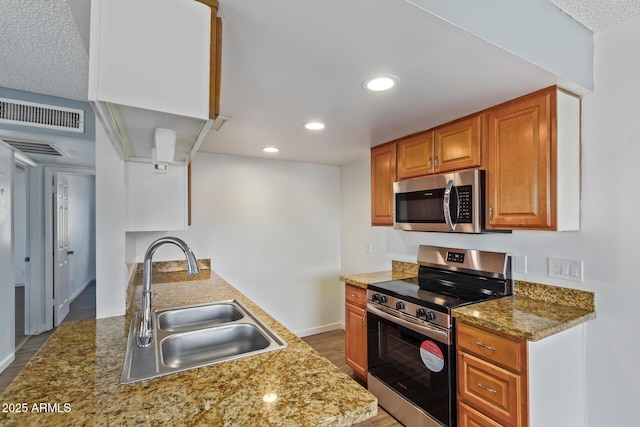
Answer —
394 358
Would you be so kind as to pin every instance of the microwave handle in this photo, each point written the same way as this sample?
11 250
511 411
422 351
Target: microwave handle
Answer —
447 204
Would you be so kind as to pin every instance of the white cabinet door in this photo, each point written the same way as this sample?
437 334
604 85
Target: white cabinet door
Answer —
156 202
151 54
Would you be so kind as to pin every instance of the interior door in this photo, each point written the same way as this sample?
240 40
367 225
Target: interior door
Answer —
61 286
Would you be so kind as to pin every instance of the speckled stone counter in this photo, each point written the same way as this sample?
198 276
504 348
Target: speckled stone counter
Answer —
399 270
534 312
77 374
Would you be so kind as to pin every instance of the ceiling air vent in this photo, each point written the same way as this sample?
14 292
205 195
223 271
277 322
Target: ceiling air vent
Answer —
34 148
23 113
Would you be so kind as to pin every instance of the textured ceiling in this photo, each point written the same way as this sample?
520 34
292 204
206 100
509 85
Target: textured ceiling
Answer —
41 50
599 15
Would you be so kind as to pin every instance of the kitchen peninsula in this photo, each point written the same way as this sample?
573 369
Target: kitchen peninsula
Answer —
77 374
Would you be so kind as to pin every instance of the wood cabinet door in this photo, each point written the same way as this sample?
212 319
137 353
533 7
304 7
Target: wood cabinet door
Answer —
383 174
521 176
469 417
415 155
497 393
458 145
356 339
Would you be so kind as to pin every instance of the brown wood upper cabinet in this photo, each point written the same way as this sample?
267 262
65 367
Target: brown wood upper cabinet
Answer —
458 145
533 167
453 146
415 155
383 174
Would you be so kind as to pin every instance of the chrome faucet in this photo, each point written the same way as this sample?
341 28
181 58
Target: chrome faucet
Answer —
145 330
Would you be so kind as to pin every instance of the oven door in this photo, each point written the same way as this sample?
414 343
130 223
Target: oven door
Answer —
415 361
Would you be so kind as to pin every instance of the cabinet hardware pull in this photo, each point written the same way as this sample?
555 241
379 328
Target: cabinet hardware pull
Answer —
484 387
490 212
436 163
355 296
485 346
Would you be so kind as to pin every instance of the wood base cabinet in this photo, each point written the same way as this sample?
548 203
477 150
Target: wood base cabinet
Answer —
507 381
356 330
533 165
492 376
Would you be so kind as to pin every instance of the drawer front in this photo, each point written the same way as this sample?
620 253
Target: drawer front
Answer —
356 295
469 417
508 353
490 389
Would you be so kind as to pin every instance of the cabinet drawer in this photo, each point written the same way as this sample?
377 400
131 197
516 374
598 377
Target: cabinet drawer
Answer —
508 353
490 389
356 295
469 417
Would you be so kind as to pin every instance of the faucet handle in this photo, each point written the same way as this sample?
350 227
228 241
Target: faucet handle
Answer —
153 294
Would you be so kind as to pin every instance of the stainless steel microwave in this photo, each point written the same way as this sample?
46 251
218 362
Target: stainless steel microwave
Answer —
451 202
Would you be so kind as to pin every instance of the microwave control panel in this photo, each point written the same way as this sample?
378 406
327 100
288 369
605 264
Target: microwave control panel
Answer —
464 204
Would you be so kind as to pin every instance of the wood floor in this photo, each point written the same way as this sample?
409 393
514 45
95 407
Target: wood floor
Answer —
83 307
331 346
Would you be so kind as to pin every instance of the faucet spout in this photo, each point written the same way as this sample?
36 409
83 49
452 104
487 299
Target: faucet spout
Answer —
145 329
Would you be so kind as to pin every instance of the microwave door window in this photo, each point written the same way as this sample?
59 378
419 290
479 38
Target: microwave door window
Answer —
420 207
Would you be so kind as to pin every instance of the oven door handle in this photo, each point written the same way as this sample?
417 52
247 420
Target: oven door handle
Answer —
439 335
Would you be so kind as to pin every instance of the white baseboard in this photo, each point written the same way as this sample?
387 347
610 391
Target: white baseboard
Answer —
7 361
82 288
320 329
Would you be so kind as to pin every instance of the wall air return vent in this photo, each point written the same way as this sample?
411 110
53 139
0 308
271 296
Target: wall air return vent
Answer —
34 148
22 113
219 122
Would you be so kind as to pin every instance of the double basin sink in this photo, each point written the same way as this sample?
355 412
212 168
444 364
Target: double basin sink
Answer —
194 336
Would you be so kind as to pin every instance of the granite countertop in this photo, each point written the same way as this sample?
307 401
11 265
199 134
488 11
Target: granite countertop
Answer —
534 312
399 271
77 373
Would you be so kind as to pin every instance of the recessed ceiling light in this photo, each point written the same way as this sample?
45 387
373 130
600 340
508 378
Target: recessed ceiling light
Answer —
270 149
379 84
314 125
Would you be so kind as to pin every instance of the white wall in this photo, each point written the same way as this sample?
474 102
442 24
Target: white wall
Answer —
20 225
7 291
111 210
271 229
607 242
81 231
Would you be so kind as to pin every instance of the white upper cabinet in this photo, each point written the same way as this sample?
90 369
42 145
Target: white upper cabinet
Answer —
153 64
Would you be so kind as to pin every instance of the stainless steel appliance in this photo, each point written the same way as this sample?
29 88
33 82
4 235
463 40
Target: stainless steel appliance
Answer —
449 202
411 339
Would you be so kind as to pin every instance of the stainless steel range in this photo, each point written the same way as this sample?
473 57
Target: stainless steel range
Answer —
410 333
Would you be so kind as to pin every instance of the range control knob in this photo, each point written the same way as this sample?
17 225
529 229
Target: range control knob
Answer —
375 297
420 312
399 305
382 299
431 316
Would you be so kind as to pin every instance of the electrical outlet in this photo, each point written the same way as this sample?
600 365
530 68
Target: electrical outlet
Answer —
566 269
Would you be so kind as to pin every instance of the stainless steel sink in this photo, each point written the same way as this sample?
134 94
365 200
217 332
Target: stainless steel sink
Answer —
196 347
193 336
197 316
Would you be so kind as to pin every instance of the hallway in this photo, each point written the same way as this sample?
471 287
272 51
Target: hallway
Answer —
83 307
